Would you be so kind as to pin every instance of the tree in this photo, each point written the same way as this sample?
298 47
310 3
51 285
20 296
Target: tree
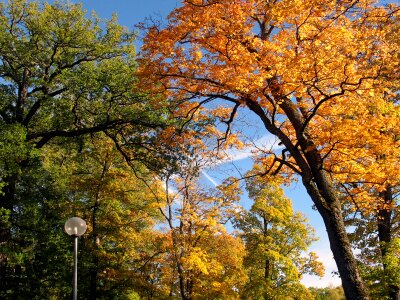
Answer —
36 253
369 185
98 185
202 260
118 209
328 293
296 65
376 254
276 240
64 77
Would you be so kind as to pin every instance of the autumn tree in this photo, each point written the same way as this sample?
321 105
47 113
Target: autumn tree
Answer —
119 211
203 260
295 65
377 257
277 240
370 203
370 184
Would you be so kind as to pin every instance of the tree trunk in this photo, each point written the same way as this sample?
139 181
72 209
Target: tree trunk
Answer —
93 282
385 234
95 259
340 245
267 263
181 282
318 186
3 275
385 221
394 292
96 243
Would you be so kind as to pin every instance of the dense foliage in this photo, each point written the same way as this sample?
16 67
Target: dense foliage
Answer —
88 130
68 108
320 76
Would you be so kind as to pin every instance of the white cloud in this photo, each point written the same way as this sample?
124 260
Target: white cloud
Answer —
267 142
209 178
325 256
320 282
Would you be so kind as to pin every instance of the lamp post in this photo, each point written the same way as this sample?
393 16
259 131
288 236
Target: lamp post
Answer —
75 227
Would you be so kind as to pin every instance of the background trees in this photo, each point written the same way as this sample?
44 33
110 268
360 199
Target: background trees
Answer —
120 214
202 260
276 240
334 293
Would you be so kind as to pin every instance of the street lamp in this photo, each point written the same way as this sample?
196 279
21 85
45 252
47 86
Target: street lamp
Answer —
75 227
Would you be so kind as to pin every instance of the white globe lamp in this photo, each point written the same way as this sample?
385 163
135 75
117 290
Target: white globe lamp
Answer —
75 227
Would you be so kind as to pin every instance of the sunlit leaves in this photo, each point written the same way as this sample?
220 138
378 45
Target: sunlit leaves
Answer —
202 259
276 239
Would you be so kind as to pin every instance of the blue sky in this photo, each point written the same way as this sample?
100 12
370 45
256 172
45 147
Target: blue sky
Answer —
131 12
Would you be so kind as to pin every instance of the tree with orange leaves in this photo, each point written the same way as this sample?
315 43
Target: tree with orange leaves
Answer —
310 71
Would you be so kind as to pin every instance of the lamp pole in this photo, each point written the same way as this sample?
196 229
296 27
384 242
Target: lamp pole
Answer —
75 276
75 227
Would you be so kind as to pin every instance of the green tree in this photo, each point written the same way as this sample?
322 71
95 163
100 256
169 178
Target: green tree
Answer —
36 249
101 187
277 239
98 185
328 293
64 78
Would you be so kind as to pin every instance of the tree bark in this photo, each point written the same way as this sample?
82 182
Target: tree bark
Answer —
385 221
3 275
322 192
96 238
318 186
95 259
385 234
182 282
352 282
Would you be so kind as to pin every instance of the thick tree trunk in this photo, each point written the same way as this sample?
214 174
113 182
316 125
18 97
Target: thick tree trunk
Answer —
319 187
385 234
328 205
340 245
385 221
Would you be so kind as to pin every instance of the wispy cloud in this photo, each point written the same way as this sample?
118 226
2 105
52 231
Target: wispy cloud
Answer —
265 143
209 178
